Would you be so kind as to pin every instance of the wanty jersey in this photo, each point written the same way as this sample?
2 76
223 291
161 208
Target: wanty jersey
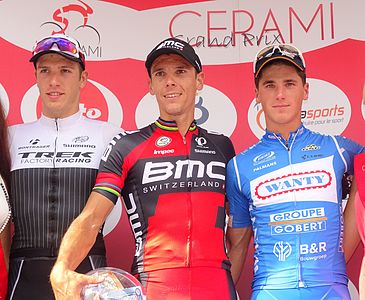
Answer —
174 193
291 194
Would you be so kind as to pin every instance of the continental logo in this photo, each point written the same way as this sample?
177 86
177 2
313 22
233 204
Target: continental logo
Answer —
311 147
293 182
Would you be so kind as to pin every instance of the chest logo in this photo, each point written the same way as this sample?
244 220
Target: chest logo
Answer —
293 182
163 141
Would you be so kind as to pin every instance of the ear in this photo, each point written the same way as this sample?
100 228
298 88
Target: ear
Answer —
257 95
83 78
150 88
306 91
200 81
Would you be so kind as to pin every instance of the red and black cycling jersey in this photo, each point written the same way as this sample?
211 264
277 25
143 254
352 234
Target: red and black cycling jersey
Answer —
174 193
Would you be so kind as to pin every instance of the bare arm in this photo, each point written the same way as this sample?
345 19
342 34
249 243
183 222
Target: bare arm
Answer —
75 245
5 243
238 240
351 235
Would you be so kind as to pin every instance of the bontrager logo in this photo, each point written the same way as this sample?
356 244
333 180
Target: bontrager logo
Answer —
293 182
171 44
160 171
282 250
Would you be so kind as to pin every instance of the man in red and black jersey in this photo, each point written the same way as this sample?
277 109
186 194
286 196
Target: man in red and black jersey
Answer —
171 175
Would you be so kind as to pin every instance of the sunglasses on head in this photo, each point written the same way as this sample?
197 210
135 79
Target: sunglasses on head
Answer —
63 44
283 50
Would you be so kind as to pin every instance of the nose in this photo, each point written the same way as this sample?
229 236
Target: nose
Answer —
280 93
170 81
54 80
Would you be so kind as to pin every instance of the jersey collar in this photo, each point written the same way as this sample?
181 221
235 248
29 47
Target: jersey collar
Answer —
171 125
277 136
64 122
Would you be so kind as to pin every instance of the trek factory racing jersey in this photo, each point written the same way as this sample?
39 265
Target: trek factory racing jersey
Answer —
291 194
54 167
174 193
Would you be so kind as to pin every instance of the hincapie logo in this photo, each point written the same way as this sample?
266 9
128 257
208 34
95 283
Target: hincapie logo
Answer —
293 182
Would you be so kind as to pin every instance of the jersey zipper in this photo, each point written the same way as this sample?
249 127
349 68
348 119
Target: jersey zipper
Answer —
55 143
189 210
288 146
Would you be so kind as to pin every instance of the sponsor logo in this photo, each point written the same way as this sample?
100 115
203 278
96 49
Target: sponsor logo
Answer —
134 220
282 250
80 139
264 166
304 221
201 142
163 152
264 157
161 171
312 248
311 147
171 44
34 141
163 141
58 157
293 182
312 156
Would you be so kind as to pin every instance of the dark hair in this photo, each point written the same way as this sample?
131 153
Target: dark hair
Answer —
4 150
300 73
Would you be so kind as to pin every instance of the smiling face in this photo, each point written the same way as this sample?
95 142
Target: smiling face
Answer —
281 92
175 83
59 81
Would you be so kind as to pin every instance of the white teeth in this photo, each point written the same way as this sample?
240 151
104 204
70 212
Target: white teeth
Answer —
54 94
172 95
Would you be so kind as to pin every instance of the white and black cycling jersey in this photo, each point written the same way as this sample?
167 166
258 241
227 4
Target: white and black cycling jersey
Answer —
54 166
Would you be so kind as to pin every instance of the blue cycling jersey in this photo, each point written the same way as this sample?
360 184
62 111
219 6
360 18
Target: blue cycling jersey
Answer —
290 192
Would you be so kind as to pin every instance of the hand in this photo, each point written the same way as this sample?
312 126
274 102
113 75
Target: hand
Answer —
67 284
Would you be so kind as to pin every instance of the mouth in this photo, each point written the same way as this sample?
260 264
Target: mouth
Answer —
172 96
54 94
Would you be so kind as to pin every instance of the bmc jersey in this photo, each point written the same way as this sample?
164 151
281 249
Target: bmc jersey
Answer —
174 193
54 167
291 194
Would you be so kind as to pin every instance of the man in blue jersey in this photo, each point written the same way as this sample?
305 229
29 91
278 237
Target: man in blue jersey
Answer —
287 190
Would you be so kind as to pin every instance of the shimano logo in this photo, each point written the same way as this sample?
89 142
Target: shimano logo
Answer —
160 171
293 182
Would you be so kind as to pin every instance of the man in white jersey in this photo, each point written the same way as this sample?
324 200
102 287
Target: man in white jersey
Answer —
54 165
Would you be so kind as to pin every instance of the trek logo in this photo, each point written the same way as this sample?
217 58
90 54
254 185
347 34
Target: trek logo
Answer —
311 147
282 250
171 44
160 171
293 182
25 155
